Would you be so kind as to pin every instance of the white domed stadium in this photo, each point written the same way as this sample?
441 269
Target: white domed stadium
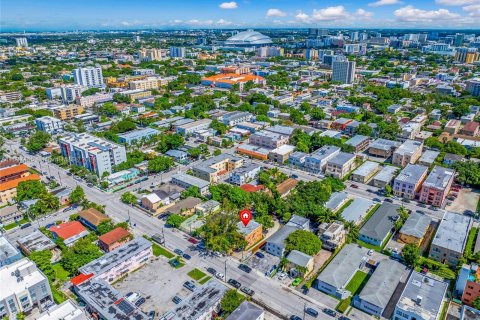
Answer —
248 38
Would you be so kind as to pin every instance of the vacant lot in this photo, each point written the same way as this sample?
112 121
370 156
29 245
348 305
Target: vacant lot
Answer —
467 199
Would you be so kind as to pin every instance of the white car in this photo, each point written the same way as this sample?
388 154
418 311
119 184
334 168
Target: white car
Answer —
282 276
220 275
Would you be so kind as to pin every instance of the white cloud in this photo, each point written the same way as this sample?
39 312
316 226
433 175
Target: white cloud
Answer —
330 14
229 5
457 2
333 14
380 3
363 14
412 14
197 22
473 10
275 13
302 16
223 22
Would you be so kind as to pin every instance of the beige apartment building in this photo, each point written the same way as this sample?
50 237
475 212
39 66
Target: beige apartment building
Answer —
148 84
68 112
408 152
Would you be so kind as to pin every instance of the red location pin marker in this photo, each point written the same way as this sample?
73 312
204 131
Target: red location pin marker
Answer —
245 216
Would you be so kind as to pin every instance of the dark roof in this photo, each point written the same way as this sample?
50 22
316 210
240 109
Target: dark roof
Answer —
381 222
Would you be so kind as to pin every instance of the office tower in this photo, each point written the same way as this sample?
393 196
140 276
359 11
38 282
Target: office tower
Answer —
343 71
136 38
363 36
150 55
90 77
311 54
264 52
354 36
70 93
466 55
458 40
21 42
177 52
422 38
473 86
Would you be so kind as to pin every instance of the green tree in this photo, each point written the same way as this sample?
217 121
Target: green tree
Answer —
230 301
411 254
37 141
388 190
105 226
81 253
304 241
219 126
129 198
217 152
192 191
160 163
120 98
175 220
77 195
31 189
476 303
364 129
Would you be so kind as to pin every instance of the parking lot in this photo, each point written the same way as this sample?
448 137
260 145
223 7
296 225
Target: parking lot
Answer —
167 281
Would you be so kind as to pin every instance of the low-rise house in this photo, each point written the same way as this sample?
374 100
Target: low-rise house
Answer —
415 228
275 245
317 161
422 298
376 230
252 232
247 311
336 201
408 152
469 313
136 136
384 177
62 194
357 210
428 157
8 253
408 183
409 131
468 283
208 207
437 186
450 240
114 239
359 142
471 128
338 273
186 181
297 159
184 207
210 169
64 311
383 148
178 155
35 241
281 154
284 188
92 218
380 287
452 126
10 214
365 172
192 127
333 235
244 174
299 263
450 159
151 202
115 264
69 232
340 165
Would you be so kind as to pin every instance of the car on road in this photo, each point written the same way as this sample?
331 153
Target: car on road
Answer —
178 252
389 200
187 256
211 271
140 301
26 225
305 289
190 286
377 200
192 240
259 255
421 211
245 268
247 291
294 317
354 186
294 176
330 312
422 205
220 276
343 318
234 283
406 200
151 315
282 276
311 311
177 299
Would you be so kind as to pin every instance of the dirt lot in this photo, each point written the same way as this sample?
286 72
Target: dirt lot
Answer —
467 199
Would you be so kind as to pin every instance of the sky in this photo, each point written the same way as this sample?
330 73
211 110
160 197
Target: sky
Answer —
38 15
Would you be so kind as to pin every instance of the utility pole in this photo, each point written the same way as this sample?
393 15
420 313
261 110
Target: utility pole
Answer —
129 221
304 306
163 235
225 269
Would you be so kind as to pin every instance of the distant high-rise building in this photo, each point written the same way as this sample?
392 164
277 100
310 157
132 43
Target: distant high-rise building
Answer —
316 32
136 38
311 54
21 42
466 55
363 36
473 86
90 77
343 71
177 52
354 36
70 93
422 38
458 40
150 55
264 52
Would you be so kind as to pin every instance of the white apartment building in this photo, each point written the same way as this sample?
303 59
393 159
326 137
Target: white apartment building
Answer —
70 93
343 71
23 288
95 154
90 77
49 124
21 42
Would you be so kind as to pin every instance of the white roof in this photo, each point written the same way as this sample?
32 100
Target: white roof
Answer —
29 273
152 197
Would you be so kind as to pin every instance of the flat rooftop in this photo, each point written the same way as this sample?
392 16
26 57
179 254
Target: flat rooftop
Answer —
7 250
452 232
439 178
411 173
366 168
28 273
36 241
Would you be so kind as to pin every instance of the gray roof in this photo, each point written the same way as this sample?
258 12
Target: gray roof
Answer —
191 180
384 144
185 204
341 158
357 209
298 221
366 168
199 301
299 258
8 210
411 173
356 140
429 156
283 130
381 222
336 199
246 311
36 241
282 234
246 230
416 225
343 266
382 284
7 250
439 178
409 147
452 232
386 174
430 291
205 165
114 258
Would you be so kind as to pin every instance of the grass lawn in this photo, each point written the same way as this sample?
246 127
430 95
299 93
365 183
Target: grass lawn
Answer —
369 246
23 221
196 274
358 281
10 226
60 273
161 251
204 280
58 296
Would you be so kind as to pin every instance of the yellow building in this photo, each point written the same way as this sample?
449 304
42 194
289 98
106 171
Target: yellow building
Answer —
8 190
68 112
414 229
136 94
210 169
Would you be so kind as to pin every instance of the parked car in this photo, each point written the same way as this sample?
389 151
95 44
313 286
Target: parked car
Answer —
294 176
422 205
389 200
311 311
406 200
282 276
294 317
187 256
343 318
177 299
247 291
190 286
330 312
219 275
192 240
377 200
212 271
354 186
234 283
140 301
151 315
259 255
178 252
245 268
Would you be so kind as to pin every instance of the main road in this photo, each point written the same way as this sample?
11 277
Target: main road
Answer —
268 291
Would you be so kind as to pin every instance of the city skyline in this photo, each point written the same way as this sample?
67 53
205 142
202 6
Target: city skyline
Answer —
54 15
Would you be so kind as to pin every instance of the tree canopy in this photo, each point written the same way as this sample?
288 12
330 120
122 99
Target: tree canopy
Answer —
304 241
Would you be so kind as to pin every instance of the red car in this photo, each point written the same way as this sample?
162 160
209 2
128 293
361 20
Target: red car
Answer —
354 186
192 240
